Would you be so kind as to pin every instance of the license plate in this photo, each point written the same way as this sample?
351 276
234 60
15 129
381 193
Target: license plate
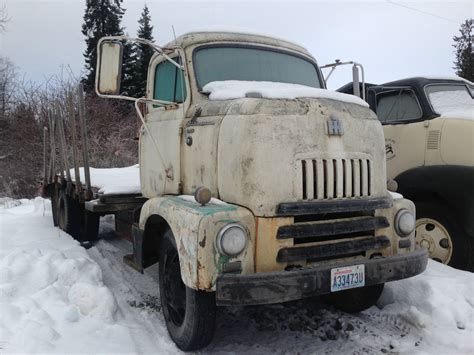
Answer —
343 278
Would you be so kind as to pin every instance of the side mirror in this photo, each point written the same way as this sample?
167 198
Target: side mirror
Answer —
109 67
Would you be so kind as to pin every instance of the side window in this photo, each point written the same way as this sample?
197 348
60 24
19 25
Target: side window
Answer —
397 105
169 83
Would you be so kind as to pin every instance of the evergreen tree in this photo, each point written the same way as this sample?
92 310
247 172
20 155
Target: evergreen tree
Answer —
144 52
103 18
464 63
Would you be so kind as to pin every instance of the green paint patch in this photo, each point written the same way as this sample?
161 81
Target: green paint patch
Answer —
206 210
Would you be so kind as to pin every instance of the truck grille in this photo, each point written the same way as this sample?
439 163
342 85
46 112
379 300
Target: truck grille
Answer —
336 178
332 239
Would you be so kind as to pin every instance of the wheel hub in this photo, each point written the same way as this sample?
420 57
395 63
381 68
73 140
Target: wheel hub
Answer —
432 235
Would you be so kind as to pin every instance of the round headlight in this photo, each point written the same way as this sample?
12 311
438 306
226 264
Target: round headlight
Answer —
404 222
232 239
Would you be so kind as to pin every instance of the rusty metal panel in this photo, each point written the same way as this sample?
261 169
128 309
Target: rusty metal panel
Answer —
267 244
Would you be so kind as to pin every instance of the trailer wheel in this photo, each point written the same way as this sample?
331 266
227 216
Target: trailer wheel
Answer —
438 230
89 226
68 214
190 315
54 195
355 300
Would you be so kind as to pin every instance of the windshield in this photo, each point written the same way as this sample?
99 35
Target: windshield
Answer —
446 98
253 64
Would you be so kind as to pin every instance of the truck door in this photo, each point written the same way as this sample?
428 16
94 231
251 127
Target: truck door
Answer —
400 112
166 82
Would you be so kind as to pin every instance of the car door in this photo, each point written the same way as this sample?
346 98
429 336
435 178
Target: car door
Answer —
160 145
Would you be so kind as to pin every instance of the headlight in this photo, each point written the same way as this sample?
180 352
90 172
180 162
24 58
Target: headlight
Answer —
404 223
232 239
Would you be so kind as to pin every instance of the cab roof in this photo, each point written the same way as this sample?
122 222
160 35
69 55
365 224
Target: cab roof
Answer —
203 37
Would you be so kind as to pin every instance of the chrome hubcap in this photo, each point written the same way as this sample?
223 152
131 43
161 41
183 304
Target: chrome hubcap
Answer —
431 235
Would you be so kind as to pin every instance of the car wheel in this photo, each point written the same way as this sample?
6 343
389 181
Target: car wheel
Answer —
438 231
190 315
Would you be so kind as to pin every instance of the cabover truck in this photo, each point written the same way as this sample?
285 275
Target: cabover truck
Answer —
289 183
429 141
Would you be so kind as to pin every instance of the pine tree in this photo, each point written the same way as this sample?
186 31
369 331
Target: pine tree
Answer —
464 63
144 52
102 18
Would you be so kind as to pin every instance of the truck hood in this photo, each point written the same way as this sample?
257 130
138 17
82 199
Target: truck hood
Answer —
274 151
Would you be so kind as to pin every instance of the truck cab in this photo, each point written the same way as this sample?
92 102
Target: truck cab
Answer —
262 186
429 142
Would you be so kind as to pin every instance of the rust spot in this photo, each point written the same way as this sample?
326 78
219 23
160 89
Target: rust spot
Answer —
202 243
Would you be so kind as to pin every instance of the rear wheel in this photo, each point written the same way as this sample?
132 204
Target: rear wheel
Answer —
54 195
355 300
68 214
190 315
438 230
89 225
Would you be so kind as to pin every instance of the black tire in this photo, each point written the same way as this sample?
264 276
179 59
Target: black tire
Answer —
355 300
190 315
68 216
462 244
54 195
89 225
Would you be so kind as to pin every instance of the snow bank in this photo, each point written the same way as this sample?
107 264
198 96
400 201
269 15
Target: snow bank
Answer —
440 303
453 104
52 297
113 180
235 89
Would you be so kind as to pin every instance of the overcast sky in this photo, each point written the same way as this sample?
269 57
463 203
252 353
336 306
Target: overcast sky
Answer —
392 39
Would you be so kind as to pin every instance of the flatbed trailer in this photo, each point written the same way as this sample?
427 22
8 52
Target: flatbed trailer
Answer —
79 194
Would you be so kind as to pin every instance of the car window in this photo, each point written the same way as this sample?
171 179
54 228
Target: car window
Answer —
169 83
397 106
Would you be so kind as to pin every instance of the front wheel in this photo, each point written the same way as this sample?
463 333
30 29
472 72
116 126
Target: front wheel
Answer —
190 315
355 300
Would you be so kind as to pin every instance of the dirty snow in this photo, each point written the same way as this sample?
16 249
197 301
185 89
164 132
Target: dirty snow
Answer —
453 104
113 180
235 89
57 297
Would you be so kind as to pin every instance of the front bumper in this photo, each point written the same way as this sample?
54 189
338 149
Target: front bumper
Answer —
282 286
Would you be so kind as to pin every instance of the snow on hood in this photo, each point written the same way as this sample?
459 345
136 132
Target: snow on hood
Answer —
236 89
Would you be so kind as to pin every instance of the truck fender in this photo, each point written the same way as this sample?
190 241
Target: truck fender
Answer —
452 185
194 228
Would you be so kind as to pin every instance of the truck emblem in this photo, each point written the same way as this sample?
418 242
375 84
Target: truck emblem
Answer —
335 127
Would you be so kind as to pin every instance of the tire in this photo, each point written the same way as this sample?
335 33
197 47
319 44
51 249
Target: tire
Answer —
355 300
190 315
438 230
54 195
89 226
68 216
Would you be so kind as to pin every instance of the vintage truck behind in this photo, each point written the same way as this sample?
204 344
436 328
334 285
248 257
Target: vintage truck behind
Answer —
429 140
297 175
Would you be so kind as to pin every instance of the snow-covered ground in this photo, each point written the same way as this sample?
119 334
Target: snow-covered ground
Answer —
57 297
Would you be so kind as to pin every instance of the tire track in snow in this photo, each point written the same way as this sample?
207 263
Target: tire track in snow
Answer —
146 325
301 326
